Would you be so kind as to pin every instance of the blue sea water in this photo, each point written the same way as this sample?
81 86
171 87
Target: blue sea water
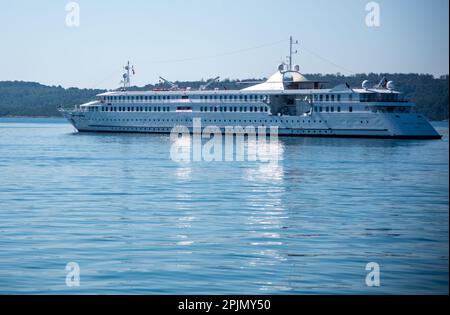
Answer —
137 222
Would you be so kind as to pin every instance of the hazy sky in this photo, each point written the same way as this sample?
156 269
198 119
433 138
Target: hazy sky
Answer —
194 39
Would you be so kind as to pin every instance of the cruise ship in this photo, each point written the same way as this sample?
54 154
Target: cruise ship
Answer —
287 100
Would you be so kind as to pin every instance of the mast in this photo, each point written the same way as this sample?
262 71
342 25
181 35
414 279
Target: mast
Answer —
291 51
126 75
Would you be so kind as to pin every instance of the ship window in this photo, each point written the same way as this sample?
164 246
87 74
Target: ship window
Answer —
350 97
321 97
332 97
332 108
265 109
350 109
251 109
339 109
201 108
224 109
184 97
315 109
327 98
245 109
327 109
235 109
339 97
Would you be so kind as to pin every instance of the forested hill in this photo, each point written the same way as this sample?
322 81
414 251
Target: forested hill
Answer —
19 98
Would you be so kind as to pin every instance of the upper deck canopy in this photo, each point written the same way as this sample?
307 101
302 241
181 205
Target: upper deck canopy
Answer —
285 80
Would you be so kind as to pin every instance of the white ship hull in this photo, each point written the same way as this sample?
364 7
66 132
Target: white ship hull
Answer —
370 125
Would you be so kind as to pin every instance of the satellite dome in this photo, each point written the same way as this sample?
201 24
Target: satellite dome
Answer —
390 85
296 68
365 84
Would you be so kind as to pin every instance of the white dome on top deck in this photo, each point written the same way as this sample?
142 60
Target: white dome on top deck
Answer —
278 81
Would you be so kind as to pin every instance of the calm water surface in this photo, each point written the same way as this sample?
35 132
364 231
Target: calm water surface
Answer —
138 222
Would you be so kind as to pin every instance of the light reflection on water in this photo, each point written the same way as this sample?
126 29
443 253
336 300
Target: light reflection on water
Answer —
137 222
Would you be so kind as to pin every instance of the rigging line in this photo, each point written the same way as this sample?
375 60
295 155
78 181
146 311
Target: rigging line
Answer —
220 55
110 76
327 60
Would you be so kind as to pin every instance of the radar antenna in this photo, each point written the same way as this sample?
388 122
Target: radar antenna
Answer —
126 76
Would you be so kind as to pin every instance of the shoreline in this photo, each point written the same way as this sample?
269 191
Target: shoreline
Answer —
31 117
